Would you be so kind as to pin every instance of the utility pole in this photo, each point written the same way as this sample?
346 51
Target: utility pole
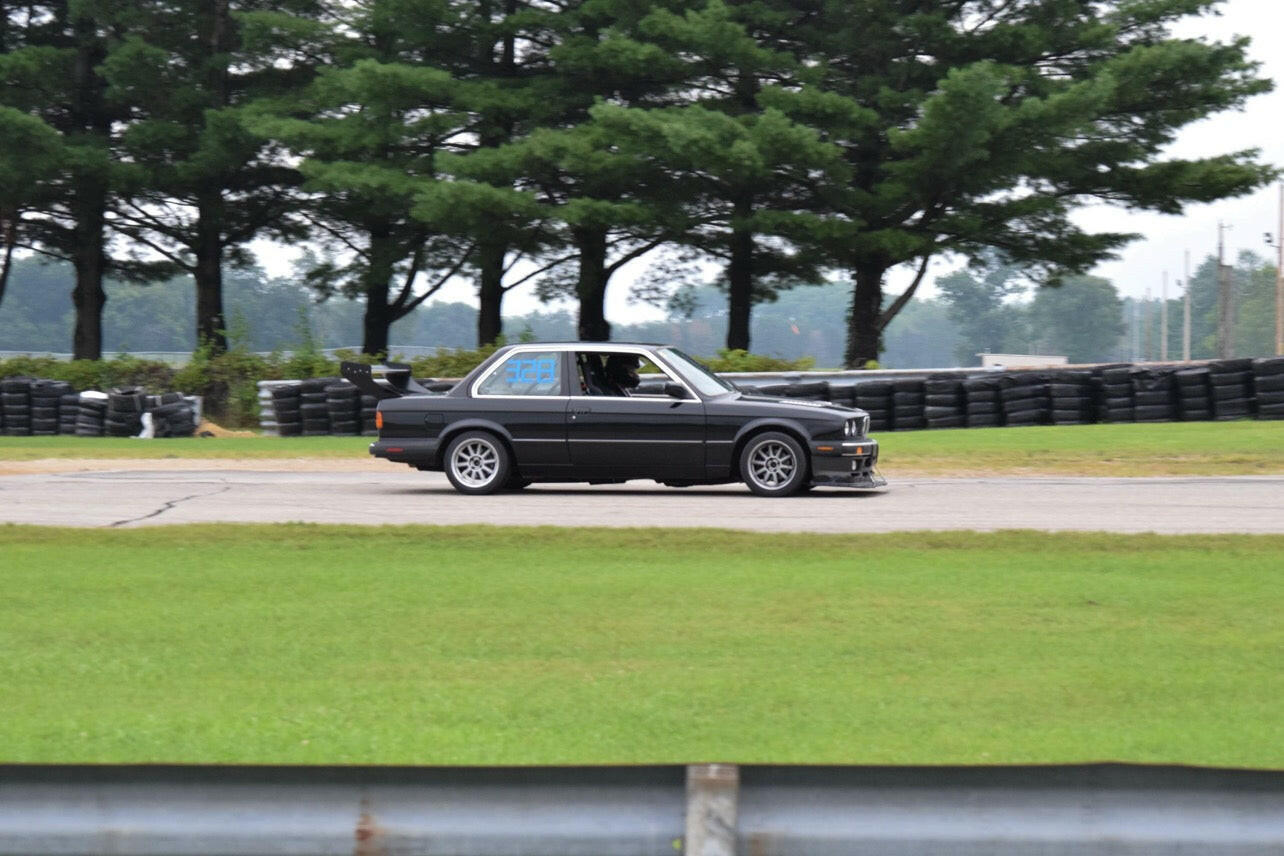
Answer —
1148 324
1185 320
1225 347
1163 320
1279 281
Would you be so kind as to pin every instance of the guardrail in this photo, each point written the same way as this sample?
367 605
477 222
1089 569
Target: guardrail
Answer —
703 810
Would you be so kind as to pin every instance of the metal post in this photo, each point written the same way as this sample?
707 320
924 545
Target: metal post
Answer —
1185 320
1163 320
712 793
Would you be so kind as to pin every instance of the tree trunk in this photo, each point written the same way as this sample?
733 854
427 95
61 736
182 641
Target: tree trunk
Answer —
378 318
590 287
864 336
740 277
90 262
211 324
490 291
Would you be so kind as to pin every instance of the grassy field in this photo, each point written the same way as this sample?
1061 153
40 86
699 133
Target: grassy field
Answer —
415 645
1193 448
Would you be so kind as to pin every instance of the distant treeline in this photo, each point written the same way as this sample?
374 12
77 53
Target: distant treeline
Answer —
976 311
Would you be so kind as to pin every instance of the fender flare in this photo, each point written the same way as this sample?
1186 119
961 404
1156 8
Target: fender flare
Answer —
768 423
450 431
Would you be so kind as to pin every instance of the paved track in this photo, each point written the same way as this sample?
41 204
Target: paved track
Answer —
125 498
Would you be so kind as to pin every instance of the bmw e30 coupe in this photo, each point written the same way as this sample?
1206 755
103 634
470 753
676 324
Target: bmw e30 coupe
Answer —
610 412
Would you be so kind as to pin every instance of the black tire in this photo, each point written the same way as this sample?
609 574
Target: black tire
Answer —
1231 378
1154 413
1271 411
983 421
907 399
1269 383
943 400
1151 398
1196 415
314 411
1269 367
477 463
1022 405
934 413
1228 393
289 429
774 464
982 408
1270 399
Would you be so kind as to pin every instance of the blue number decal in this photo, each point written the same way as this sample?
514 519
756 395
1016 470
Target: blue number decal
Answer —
522 370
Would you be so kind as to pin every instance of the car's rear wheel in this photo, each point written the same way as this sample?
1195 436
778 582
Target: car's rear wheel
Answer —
774 464
477 462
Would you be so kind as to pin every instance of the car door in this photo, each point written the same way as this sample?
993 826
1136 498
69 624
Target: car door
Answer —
638 436
526 393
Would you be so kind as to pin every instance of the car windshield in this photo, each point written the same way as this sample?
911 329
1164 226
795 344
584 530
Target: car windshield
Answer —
705 381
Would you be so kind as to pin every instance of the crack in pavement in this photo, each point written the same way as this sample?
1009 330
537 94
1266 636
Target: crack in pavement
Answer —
168 505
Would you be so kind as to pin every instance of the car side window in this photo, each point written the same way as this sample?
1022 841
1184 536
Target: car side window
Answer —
597 375
525 373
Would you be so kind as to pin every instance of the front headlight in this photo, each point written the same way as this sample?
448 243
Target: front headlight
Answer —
864 425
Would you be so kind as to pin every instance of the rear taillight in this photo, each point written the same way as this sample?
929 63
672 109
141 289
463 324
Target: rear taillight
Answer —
379 419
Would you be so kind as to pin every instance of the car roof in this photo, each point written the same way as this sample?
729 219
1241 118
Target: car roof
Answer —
587 346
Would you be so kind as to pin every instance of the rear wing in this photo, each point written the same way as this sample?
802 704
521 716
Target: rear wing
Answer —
391 380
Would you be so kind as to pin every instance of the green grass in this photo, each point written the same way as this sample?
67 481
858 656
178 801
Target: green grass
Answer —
1165 449
1171 449
416 645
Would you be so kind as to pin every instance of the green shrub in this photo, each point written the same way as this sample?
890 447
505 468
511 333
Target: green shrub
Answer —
737 360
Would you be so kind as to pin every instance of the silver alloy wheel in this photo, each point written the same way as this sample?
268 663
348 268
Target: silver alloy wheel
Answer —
475 463
772 464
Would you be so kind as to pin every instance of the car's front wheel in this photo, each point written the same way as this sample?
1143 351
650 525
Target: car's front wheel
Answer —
477 462
773 464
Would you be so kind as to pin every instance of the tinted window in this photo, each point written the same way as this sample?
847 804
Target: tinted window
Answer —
525 373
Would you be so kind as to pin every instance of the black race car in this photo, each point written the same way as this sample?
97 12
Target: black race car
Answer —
598 412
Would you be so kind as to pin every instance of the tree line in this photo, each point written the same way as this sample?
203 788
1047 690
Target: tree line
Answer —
973 311
548 143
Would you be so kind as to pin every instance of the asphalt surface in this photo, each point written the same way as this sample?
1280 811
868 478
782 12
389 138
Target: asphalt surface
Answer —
127 498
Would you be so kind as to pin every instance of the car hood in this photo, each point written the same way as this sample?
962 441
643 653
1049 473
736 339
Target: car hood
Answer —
803 408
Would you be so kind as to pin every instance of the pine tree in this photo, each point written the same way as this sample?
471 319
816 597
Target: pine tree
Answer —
984 124
206 185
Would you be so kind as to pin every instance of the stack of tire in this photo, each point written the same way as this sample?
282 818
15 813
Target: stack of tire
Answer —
68 412
343 406
286 411
45 396
314 413
1153 397
982 401
875 398
1025 399
1070 393
125 406
1231 382
909 398
1268 382
15 402
91 414
1194 401
172 415
817 390
945 405
369 405
1115 404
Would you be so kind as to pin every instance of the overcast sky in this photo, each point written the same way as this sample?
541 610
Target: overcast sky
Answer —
1165 238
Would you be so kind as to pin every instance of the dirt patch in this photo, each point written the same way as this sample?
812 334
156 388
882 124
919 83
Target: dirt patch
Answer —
216 430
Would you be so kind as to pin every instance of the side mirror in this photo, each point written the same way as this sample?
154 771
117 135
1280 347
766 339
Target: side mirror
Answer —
674 390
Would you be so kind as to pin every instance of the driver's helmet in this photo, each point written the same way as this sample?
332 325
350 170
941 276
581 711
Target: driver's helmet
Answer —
622 370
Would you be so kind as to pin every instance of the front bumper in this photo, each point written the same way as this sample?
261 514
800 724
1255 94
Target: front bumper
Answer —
850 463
